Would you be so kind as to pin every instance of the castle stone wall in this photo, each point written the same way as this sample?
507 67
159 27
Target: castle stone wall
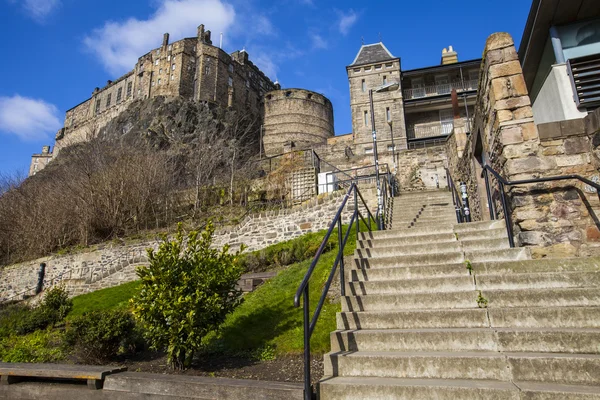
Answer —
296 116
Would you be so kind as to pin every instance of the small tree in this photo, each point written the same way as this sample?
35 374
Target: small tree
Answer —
187 291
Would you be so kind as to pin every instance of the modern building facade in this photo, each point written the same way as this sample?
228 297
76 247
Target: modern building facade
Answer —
560 57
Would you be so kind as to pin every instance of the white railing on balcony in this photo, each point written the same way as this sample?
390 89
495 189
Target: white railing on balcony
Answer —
436 90
433 129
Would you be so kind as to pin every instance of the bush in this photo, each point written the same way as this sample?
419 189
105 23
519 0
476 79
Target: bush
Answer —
10 318
53 309
99 336
37 347
186 292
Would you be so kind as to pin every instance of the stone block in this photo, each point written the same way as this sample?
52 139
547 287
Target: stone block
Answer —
513 103
510 53
500 89
511 135
523 112
533 238
518 85
493 57
552 151
498 40
505 69
504 115
592 122
550 130
592 234
572 127
577 145
570 160
529 131
560 250
527 164
306 225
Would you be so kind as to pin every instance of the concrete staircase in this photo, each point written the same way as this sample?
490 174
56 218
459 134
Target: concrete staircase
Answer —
437 310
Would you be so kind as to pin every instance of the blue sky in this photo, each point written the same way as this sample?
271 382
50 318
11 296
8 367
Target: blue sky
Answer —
55 52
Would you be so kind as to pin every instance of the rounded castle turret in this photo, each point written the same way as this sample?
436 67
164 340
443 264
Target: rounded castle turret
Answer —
296 118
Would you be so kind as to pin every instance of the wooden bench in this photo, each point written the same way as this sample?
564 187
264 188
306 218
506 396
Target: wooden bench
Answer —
94 375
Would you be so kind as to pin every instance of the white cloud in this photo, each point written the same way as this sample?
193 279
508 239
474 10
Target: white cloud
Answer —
118 45
346 21
29 119
318 42
38 9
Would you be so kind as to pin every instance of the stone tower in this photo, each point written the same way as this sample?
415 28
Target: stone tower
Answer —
373 67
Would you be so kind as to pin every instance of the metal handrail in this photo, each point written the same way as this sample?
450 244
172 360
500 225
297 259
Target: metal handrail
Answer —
503 182
303 289
461 215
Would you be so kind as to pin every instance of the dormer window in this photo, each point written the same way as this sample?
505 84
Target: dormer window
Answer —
378 68
367 69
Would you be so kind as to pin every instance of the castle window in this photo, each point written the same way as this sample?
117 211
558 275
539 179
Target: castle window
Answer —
364 85
170 47
288 93
377 67
98 101
160 71
108 99
230 81
157 52
230 68
119 94
357 70
389 65
152 83
366 118
385 80
169 57
193 60
172 77
247 84
156 62
207 70
159 81
368 150
309 96
129 87
173 67
367 69
388 114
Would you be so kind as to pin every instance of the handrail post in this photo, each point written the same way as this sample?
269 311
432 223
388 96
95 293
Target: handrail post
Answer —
356 211
341 251
507 219
307 384
489 194
465 201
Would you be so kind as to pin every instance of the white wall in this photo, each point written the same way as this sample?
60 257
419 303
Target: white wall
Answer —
555 99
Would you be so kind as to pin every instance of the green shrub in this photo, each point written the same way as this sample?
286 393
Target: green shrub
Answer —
53 309
10 318
99 336
37 347
186 292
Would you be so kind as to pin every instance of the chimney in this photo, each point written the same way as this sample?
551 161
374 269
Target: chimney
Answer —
46 150
201 32
165 40
449 56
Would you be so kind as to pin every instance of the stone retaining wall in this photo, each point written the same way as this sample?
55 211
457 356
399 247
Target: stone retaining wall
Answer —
109 266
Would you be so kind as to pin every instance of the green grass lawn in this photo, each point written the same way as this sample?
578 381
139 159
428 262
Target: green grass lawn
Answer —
266 318
105 299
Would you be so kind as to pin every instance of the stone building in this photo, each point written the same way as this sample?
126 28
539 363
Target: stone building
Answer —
296 118
39 161
192 68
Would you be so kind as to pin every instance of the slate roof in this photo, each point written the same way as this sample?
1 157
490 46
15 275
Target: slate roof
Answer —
372 53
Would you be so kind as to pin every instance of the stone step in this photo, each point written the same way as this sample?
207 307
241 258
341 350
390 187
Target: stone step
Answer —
424 285
555 297
432 238
574 369
485 283
436 229
544 265
431 248
582 341
534 317
419 271
370 388
387 261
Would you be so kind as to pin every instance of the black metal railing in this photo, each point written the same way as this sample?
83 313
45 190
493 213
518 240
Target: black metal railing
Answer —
303 290
461 203
502 183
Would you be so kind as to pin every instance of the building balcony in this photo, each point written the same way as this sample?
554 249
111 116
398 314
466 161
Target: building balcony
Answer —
433 129
441 89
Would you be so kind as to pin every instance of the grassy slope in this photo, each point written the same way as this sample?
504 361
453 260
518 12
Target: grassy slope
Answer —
266 318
